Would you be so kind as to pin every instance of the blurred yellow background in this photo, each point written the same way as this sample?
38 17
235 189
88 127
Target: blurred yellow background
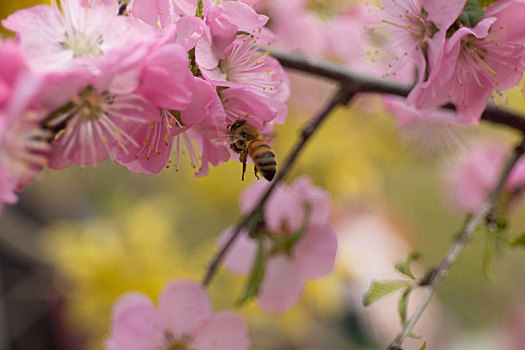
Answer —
109 231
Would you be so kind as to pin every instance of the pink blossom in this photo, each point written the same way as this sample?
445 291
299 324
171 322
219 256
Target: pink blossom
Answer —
477 170
477 61
418 30
244 65
74 33
312 256
191 128
94 117
183 320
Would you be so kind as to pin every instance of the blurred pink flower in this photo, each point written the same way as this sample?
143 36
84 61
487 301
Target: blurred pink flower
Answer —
311 257
432 130
26 98
476 171
183 320
370 243
476 61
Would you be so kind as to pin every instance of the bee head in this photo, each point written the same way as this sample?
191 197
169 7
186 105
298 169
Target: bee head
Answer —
236 125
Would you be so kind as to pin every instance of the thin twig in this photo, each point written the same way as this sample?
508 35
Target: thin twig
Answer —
436 275
381 86
343 96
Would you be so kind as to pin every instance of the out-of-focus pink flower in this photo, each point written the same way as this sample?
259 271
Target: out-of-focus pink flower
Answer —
432 130
369 245
407 115
477 61
183 320
476 171
311 257
23 108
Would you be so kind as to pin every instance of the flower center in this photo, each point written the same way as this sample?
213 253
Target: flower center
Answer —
81 44
80 36
178 344
328 9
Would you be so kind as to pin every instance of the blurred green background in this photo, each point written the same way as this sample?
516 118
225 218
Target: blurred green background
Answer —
108 231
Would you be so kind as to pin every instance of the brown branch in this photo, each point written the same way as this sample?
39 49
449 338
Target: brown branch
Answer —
342 97
436 275
364 83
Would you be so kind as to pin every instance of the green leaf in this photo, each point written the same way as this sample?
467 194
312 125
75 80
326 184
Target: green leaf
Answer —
402 306
380 289
287 242
200 9
256 276
472 13
424 346
405 266
486 3
413 335
518 241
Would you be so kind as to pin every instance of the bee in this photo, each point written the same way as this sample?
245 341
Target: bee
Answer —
246 140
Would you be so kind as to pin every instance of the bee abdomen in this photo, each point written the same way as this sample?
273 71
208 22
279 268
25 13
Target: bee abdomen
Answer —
264 158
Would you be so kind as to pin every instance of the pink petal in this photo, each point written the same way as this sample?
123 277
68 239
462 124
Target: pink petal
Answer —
254 105
222 331
136 325
204 55
317 198
203 103
282 286
41 19
129 300
250 195
517 176
284 211
239 259
314 254
166 79
184 305
12 62
189 31
243 16
443 13
151 11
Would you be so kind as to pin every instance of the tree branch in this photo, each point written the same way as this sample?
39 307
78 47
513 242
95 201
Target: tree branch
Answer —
364 83
436 275
342 97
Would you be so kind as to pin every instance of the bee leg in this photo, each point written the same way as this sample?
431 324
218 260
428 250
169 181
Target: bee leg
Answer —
255 171
242 159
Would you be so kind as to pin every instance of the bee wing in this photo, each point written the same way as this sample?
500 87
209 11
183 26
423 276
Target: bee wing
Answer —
219 137
268 137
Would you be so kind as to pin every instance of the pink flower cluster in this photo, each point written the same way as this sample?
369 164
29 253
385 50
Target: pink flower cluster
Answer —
137 88
477 170
183 320
312 256
460 61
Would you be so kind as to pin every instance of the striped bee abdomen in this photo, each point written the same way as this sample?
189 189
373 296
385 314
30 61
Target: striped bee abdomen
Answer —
263 158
